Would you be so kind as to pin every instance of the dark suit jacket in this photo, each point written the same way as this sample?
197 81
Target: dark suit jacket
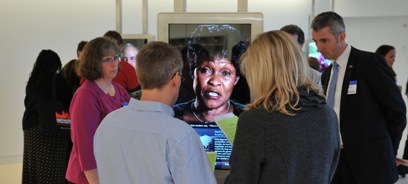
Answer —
372 120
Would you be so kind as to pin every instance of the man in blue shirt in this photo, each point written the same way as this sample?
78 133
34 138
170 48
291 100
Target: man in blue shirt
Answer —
143 142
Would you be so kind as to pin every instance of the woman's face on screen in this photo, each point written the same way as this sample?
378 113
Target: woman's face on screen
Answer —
214 82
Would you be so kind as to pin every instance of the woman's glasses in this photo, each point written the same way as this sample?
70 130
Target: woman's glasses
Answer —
110 59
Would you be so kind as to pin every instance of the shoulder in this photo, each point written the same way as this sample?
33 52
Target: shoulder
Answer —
60 81
88 87
124 95
119 87
238 107
87 91
312 72
126 67
179 130
250 115
309 98
364 55
368 61
181 107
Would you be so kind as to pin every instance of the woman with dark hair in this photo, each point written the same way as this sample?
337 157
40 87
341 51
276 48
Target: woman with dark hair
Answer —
213 79
45 155
389 53
93 100
241 91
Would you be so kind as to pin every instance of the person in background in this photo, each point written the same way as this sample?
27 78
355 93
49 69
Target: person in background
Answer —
94 99
126 76
45 155
144 143
389 54
313 63
129 52
241 92
298 35
368 104
189 53
402 169
68 71
288 134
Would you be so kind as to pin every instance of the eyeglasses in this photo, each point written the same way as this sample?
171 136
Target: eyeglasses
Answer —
181 76
129 59
111 59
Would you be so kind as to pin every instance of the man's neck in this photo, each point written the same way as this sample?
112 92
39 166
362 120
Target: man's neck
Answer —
341 51
157 95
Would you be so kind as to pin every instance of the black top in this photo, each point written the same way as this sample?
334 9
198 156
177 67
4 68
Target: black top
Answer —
64 94
272 147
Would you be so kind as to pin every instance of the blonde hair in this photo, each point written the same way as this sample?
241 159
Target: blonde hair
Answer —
275 67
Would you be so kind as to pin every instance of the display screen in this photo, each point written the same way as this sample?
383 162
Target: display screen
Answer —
312 52
138 43
210 36
211 55
214 140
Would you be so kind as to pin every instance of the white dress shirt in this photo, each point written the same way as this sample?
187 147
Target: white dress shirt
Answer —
342 62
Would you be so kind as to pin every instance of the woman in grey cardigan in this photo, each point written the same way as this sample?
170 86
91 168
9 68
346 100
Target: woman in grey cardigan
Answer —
289 134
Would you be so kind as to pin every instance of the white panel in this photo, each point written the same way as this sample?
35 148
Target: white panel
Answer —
154 8
279 13
371 8
212 6
132 17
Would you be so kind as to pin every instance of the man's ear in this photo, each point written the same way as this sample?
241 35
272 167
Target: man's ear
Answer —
176 79
342 37
236 80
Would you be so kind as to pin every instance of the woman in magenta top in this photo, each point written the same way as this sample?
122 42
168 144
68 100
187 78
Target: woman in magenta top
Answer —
93 100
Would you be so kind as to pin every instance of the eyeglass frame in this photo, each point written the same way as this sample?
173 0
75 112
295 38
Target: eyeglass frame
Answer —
108 59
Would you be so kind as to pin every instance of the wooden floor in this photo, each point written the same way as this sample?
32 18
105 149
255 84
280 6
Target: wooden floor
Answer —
11 173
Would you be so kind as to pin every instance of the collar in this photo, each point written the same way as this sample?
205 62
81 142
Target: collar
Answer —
150 106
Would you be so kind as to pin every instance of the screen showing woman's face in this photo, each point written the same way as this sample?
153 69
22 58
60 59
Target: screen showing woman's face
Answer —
214 82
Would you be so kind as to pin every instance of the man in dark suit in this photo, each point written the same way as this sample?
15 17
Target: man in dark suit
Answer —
367 101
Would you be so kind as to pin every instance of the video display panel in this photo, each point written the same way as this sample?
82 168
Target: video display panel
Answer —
312 52
211 45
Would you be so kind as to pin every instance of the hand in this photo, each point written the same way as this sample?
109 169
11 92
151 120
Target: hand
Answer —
400 162
92 176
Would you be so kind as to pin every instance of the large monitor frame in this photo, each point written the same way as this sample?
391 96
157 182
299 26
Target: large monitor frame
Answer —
217 33
165 19
138 40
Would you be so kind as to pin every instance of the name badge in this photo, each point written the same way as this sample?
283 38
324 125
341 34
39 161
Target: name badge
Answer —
352 89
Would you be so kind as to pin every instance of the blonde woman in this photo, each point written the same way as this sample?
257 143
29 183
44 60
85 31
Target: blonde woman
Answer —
288 134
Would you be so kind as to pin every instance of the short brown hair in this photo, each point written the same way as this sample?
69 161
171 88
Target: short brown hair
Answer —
115 36
314 63
157 62
89 63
